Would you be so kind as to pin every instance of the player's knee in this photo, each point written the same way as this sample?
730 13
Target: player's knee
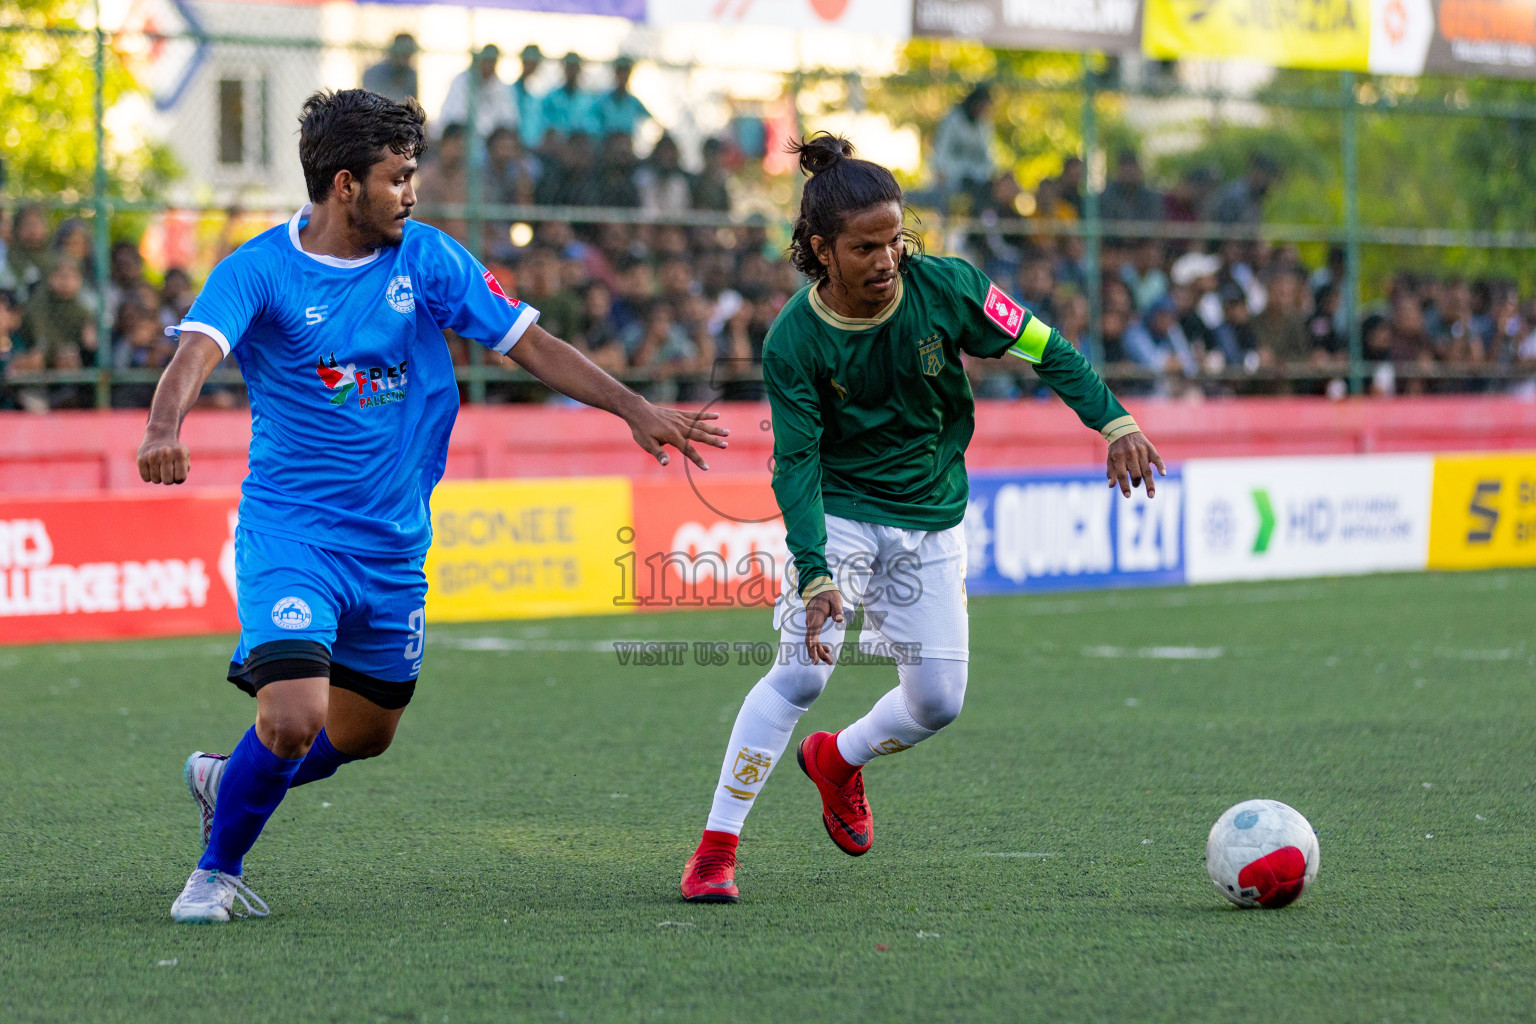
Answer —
936 710
798 684
289 733
935 691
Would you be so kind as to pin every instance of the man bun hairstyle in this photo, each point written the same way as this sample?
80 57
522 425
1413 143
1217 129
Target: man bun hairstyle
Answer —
350 130
839 186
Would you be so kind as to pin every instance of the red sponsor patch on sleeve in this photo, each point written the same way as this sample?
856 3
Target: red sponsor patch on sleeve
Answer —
495 287
1004 312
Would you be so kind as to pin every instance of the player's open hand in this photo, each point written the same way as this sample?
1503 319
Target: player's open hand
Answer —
1130 463
654 428
826 605
164 461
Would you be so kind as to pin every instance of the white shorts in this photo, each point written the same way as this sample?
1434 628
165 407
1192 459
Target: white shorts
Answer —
910 583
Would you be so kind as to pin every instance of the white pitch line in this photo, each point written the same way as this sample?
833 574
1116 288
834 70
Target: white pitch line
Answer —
501 643
1164 653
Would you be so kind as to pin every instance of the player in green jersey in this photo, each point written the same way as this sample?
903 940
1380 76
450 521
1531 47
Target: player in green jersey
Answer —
872 413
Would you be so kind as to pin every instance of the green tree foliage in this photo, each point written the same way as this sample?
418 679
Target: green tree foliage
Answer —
1035 129
47 114
1416 169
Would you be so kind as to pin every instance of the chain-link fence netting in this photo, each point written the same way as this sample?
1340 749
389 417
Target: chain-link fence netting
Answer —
1194 233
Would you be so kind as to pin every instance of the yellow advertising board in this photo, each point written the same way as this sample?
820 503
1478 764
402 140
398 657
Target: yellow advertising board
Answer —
1483 513
523 549
1288 33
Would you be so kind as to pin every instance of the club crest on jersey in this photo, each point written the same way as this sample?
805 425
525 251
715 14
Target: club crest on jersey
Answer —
400 296
930 353
1004 312
374 386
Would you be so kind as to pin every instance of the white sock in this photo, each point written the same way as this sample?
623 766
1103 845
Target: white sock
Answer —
758 740
889 728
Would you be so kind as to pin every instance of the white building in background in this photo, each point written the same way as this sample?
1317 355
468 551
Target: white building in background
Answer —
232 120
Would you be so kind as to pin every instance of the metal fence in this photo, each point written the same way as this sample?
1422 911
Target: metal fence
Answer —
233 113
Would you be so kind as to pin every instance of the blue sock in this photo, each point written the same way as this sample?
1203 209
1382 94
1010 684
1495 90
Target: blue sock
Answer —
254 782
321 762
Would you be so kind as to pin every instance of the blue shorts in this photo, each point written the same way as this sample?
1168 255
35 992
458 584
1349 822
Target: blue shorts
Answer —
307 611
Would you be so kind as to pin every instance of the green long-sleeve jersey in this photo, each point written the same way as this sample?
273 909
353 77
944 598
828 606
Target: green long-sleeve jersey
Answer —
871 417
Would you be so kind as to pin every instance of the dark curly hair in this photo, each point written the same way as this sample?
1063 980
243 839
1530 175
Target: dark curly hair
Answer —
839 187
350 130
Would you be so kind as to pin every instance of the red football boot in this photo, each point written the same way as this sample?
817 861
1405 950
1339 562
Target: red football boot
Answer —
844 811
710 874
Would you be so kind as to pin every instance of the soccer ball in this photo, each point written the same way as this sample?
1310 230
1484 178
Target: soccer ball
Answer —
1261 853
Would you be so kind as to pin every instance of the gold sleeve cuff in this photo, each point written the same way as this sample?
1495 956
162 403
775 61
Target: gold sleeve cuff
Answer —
1115 429
819 585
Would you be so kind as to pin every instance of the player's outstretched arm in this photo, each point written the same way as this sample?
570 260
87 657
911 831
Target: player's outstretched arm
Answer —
1131 456
574 375
163 459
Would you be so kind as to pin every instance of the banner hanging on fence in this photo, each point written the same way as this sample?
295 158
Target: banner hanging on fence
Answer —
1333 34
634 10
871 17
1463 37
1067 25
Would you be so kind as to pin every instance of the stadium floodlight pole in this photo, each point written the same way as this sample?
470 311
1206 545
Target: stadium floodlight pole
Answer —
102 243
1351 294
1091 222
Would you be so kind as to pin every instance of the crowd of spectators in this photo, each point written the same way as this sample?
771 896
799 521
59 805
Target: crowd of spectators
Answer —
1181 316
683 311
50 307
569 146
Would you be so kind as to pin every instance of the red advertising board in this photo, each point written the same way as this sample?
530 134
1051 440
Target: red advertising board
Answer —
706 542
99 568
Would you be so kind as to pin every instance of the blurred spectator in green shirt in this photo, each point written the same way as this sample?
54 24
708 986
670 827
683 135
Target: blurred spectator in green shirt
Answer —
619 110
568 110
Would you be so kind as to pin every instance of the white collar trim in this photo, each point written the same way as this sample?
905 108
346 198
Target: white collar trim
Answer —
330 261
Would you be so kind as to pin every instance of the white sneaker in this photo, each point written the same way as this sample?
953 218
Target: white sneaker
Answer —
209 897
203 773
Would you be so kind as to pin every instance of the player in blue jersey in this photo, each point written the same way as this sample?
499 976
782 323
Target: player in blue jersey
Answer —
337 320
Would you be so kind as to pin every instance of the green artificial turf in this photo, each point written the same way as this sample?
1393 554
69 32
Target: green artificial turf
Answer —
516 855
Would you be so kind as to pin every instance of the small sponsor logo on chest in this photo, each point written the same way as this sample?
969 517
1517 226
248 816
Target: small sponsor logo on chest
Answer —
930 354
373 386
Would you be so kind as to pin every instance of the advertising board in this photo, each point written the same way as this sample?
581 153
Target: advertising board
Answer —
1069 25
1318 34
100 568
508 549
870 17
1250 519
1484 511
717 544
1069 531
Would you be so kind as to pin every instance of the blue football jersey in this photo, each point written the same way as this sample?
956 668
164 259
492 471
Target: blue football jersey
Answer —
351 383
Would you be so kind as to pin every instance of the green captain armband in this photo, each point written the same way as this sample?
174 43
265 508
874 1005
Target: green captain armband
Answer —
1032 340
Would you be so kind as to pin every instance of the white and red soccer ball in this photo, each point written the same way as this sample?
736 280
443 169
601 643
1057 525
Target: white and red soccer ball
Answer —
1261 853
